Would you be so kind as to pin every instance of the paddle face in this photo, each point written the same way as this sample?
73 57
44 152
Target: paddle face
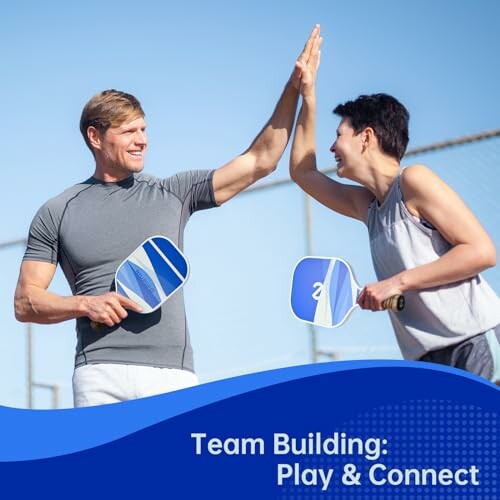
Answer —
324 291
152 273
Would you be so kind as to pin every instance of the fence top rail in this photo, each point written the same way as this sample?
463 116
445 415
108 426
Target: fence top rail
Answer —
454 142
11 243
411 152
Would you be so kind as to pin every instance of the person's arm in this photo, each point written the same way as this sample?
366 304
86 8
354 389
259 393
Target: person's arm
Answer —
262 157
34 303
352 201
473 251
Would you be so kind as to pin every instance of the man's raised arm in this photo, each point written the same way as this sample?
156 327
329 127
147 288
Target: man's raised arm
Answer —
262 157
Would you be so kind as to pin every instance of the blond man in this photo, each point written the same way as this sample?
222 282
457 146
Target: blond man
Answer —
91 227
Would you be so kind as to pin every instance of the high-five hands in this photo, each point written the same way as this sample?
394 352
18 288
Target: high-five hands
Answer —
306 67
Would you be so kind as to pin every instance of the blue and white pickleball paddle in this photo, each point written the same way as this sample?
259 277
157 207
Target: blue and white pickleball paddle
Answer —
324 292
152 273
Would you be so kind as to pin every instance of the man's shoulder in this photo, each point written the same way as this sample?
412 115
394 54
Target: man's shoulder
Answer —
149 180
177 181
152 179
144 177
59 201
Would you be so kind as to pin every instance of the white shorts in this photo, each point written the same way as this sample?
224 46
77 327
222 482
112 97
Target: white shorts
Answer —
103 383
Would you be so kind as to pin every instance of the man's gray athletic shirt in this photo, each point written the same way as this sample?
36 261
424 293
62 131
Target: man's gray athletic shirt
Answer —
91 228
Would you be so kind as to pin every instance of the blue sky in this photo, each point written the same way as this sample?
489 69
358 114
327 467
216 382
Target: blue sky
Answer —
208 75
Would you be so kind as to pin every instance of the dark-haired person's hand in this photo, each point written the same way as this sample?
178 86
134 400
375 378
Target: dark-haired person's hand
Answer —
308 63
309 56
372 296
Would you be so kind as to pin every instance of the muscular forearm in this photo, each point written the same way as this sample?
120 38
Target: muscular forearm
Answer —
269 145
303 154
461 262
36 305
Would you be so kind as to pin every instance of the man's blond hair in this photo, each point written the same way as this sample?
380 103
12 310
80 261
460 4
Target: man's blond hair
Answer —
109 108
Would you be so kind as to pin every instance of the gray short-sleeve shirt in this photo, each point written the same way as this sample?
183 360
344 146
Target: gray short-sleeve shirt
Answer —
90 228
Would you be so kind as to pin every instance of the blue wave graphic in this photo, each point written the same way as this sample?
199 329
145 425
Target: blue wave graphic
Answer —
38 434
430 417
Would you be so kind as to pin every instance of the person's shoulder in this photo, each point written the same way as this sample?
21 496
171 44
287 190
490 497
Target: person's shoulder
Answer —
178 183
187 178
59 201
417 177
416 171
152 182
148 181
148 178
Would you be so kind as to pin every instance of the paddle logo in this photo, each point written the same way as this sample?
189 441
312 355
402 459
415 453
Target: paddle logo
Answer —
318 289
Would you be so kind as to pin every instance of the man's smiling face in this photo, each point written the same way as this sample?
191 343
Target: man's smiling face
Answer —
123 147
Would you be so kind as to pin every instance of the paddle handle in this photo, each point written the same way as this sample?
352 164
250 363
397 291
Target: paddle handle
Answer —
395 303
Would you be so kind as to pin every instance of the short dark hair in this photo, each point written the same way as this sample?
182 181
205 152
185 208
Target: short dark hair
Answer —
385 115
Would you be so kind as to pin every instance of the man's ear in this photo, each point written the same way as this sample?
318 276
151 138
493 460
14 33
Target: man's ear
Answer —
94 137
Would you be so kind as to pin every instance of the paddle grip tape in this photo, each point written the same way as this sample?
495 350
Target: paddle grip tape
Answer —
395 303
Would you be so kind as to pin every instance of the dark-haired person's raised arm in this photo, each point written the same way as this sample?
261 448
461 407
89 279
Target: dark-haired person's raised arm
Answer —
348 200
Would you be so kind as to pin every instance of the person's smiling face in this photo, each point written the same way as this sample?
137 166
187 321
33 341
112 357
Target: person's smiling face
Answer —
346 148
122 148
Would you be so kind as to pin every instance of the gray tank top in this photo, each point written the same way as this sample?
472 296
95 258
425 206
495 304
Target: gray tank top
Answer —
433 318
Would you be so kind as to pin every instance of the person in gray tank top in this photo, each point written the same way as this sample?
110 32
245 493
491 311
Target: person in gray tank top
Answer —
425 242
91 227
